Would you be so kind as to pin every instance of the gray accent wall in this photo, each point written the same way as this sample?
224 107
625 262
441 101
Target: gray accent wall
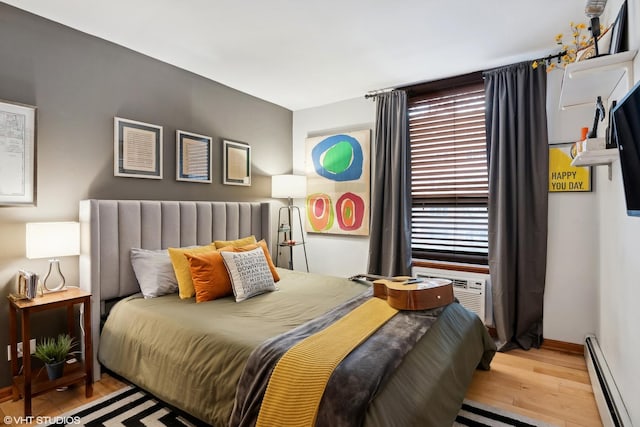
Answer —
78 84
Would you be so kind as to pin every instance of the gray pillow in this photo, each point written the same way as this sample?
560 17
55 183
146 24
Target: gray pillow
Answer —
249 273
154 272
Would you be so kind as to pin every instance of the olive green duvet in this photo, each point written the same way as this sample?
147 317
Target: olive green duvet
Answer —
192 355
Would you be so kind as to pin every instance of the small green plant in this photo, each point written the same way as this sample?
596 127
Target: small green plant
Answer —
52 350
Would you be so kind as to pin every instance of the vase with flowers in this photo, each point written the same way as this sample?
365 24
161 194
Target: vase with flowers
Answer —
570 48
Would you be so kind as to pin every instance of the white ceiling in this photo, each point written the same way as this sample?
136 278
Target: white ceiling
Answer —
306 53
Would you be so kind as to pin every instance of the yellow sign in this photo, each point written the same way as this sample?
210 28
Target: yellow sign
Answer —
563 176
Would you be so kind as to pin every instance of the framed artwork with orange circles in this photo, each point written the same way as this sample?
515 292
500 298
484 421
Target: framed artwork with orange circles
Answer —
338 168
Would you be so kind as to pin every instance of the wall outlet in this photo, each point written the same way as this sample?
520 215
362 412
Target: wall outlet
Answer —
32 348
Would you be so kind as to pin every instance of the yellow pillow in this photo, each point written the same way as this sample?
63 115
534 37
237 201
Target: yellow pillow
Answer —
182 270
209 274
262 244
235 243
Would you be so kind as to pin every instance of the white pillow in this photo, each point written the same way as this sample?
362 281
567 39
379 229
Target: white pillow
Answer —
154 272
249 272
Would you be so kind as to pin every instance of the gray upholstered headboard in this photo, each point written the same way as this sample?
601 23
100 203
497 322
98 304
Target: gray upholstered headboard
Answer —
110 228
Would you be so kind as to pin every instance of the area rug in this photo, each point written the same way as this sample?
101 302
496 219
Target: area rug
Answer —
478 414
128 407
131 407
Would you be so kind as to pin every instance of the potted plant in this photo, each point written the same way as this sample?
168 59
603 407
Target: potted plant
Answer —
53 352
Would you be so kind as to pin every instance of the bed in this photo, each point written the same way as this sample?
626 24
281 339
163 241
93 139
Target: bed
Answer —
192 355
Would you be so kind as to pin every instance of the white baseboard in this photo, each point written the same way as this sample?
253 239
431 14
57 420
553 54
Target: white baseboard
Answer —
613 412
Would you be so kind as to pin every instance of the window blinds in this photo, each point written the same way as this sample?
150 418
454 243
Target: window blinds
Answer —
449 180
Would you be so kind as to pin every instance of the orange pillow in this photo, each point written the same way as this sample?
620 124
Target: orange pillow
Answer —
209 275
261 244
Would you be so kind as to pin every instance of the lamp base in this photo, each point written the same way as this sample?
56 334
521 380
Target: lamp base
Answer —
54 280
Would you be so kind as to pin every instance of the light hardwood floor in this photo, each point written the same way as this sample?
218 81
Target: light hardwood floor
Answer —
548 385
58 402
544 384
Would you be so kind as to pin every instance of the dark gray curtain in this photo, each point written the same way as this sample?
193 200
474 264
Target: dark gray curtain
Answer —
390 231
518 157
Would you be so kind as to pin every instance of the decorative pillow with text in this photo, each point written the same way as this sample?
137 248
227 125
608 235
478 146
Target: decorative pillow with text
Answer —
267 254
249 273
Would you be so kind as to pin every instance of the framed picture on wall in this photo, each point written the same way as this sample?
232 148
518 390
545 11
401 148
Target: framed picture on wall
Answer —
338 167
193 157
562 176
137 149
236 163
17 154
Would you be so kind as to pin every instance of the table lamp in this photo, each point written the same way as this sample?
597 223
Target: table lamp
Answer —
52 240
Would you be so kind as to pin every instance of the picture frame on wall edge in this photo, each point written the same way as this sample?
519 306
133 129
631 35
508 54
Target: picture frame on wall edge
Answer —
617 44
18 175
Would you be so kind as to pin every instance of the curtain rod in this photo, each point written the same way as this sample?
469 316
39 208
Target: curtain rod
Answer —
548 59
374 93
460 79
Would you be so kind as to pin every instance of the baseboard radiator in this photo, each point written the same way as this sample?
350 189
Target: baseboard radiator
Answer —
610 404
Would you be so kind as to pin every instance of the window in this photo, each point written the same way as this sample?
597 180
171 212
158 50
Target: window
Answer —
449 180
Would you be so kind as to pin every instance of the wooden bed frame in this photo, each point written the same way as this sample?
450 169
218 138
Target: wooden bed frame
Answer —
110 228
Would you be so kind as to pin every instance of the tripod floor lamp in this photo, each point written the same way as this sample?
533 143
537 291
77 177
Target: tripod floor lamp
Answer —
289 187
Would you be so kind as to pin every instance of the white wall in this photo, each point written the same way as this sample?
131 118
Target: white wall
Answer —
570 299
619 290
619 287
332 254
593 268
571 291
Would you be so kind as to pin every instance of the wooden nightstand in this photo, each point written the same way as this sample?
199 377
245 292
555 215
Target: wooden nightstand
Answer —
29 384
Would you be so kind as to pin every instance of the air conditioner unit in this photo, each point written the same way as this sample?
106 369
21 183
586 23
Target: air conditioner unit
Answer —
473 290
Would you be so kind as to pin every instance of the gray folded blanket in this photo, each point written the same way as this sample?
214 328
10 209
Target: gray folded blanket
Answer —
354 382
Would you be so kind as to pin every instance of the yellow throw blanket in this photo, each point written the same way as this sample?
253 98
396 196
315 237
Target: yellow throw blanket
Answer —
298 381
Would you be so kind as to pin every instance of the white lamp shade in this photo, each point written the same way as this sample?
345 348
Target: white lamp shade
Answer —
52 239
285 186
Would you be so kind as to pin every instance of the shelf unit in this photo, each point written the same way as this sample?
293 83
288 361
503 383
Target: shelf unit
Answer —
595 157
286 228
583 81
40 383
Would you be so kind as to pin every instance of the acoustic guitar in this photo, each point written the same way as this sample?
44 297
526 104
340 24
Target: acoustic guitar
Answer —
406 293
